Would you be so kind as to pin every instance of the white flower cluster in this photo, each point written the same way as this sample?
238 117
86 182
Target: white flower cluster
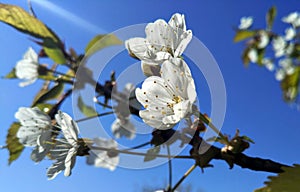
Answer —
37 130
169 92
283 46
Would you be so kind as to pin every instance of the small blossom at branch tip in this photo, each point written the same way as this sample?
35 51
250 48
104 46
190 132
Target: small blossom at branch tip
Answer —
245 23
101 158
293 18
27 68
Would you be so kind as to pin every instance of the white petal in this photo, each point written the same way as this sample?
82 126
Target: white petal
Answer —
150 69
137 46
70 161
290 33
68 127
31 55
290 18
279 75
181 110
252 55
154 119
122 128
245 22
184 40
177 21
264 40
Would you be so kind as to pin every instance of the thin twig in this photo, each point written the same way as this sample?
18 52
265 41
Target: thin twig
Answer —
91 117
138 146
183 177
170 168
139 153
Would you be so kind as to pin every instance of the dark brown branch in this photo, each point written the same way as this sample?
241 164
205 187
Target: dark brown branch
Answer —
240 159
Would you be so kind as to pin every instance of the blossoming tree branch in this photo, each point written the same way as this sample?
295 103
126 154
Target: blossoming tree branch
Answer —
166 97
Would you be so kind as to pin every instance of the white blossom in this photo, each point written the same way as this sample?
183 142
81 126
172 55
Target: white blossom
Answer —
292 18
290 33
169 98
268 64
280 74
66 148
27 68
252 55
101 158
279 45
163 41
287 65
245 22
34 123
263 39
123 127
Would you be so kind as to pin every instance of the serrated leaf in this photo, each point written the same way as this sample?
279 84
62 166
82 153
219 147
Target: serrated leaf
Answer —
290 84
243 34
21 20
288 181
11 74
52 93
151 154
271 14
14 147
85 109
53 50
101 41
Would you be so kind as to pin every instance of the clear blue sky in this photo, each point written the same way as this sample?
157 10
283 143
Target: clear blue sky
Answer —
254 103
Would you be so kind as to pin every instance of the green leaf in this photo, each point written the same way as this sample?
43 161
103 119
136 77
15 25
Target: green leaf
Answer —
54 51
11 74
290 86
53 93
45 107
85 109
246 138
101 41
260 56
243 34
21 20
245 57
151 154
288 181
14 147
271 14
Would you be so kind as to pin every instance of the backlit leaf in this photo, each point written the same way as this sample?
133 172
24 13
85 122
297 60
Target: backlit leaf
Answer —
85 109
243 34
151 153
271 14
21 20
53 93
290 84
14 147
11 74
101 41
288 181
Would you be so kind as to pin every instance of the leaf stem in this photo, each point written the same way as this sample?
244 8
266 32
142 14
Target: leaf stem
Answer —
189 171
170 168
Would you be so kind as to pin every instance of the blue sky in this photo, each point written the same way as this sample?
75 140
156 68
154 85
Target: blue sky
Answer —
254 103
